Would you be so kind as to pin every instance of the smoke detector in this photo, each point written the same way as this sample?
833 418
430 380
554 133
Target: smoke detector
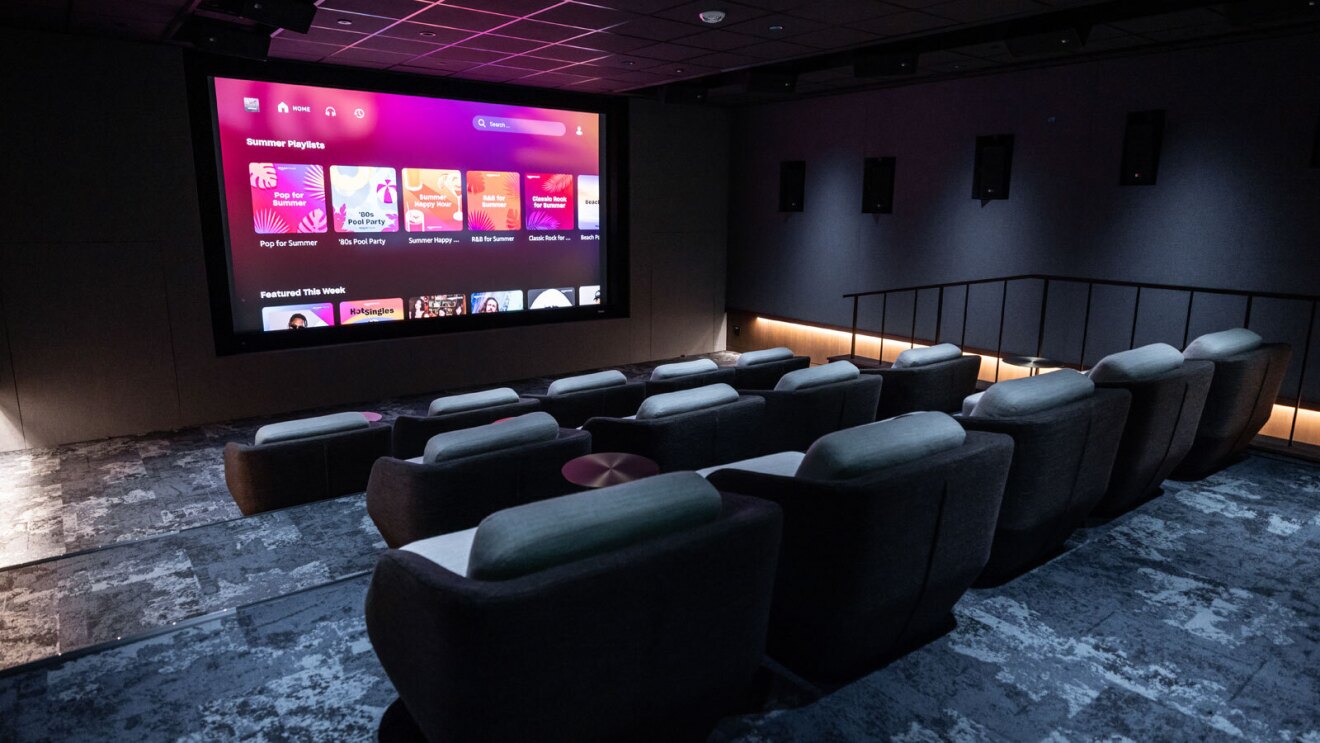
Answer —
711 16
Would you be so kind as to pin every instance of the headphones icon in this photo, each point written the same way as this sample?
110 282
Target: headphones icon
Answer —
330 111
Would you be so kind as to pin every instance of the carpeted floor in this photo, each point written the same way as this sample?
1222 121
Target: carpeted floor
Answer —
1195 617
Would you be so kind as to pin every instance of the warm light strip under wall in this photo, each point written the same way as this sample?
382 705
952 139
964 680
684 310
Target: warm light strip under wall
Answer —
869 345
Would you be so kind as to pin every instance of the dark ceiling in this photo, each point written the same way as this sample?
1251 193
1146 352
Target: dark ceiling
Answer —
614 46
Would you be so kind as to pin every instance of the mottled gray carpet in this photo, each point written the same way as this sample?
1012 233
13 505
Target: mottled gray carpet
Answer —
1195 617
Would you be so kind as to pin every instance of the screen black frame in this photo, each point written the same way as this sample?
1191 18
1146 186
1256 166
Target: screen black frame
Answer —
200 68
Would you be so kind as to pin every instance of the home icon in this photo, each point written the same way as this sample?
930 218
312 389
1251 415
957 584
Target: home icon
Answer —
282 108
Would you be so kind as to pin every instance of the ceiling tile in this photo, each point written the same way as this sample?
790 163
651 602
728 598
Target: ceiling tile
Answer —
718 40
433 62
656 29
582 16
568 53
541 31
836 37
1165 21
777 50
789 26
367 58
422 32
977 11
553 79
497 43
461 18
334 36
399 46
844 11
900 24
334 19
726 60
493 73
525 62
517 8
625 62
289 48
670 52
611 42
467 55
386 8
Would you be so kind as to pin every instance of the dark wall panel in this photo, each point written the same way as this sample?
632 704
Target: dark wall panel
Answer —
1162 317
1022 317
983 304
1110 327
1234 206
1065 318
1215 312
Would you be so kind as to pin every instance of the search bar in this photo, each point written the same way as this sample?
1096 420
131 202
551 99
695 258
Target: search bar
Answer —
518 126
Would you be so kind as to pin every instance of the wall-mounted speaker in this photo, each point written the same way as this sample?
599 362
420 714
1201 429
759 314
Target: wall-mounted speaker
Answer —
993 168
1141 148
769 81
295 15
223 38
885 65
878 185
792 185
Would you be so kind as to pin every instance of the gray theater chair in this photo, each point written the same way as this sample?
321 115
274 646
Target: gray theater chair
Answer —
572 400
886 525
636 612
1248 374
809 403
935 378
761 370
686 375
454 413
1168 395
686 429
466 475
1065 437
305 460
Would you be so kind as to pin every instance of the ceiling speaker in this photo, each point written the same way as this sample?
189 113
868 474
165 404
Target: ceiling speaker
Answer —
769 81
1063 41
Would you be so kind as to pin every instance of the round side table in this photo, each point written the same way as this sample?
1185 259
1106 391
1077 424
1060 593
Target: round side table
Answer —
1034 363
606 468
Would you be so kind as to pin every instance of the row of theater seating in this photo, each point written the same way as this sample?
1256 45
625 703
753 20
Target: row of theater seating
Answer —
515 608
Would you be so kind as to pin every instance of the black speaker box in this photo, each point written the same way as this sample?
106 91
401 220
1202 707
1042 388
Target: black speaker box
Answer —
222 38
878 185
885 65
993 168
769 81
792 185
1141 148
295 15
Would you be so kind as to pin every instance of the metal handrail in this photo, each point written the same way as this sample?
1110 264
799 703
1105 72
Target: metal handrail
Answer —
1191 291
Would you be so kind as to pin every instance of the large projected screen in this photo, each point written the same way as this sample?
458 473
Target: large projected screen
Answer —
343 208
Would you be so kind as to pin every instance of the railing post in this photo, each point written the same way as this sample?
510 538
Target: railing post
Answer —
884 312
1136 313
1187 326
1044 304
999 348
1301 377
939 316
1246 322
912 335
852 350
967 298
1086 322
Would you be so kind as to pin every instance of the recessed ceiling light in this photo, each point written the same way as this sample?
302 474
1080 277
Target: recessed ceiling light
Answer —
427 34
679 70
776 27
711 16
344 22
629 62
